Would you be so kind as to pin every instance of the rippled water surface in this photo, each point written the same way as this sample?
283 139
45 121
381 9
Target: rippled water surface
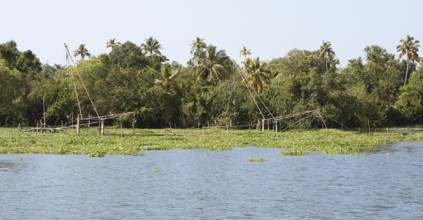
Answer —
198 184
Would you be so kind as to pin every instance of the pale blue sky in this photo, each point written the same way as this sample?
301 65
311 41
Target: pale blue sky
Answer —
269 28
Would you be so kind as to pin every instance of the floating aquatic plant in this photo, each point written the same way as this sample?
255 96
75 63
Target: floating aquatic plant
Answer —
293 152
97 153
89 142
252 159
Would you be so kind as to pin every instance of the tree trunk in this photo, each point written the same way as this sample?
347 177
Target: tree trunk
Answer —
406 74
326 65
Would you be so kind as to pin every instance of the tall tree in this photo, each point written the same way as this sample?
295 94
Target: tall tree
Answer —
255 73
198 44
82 52
214 66
167 74
326 52
410 102
244 52
151 46
410 48
112 43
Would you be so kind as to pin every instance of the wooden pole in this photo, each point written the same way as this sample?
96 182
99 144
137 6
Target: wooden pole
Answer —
44 114
89 120
262 124
77 125
102 126
133 126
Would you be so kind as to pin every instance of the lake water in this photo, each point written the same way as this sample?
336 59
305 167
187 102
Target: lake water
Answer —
198 184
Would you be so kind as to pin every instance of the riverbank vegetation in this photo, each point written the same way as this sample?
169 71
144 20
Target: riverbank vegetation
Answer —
377 90
137 142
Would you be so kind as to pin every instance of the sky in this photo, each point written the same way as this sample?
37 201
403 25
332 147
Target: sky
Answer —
269 28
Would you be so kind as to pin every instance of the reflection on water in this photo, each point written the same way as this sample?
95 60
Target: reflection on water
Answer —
11 166
222 185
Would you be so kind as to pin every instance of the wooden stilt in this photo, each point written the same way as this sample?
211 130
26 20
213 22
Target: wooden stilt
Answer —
102 126
133 126
77 125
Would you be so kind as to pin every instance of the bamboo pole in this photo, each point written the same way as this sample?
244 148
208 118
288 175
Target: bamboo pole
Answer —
101 126
133 126
77 125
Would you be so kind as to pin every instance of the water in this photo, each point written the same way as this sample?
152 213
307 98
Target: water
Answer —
198 184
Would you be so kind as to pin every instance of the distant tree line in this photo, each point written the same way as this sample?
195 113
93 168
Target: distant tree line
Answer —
378 89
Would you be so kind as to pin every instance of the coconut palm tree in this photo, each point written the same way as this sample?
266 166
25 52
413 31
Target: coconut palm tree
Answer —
255 73
166 76
214 66
244 52
198 44
82 52
151 46
326 53
112 43
410 48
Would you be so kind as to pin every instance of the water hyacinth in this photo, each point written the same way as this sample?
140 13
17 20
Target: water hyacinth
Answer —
257 160
293 152
126 141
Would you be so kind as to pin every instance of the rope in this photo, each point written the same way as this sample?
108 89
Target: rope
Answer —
265 106
73 78
297 122
257 95
254 99
69 56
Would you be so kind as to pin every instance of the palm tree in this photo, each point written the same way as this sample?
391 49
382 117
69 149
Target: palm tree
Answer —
244 52
198 44
255 73
326 52
112 43
166 76
81 51
214 66
151 46
409 47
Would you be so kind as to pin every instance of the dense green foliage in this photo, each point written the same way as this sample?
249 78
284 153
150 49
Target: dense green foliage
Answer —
212 89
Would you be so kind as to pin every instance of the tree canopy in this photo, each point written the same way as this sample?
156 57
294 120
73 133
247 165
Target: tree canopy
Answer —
211 88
